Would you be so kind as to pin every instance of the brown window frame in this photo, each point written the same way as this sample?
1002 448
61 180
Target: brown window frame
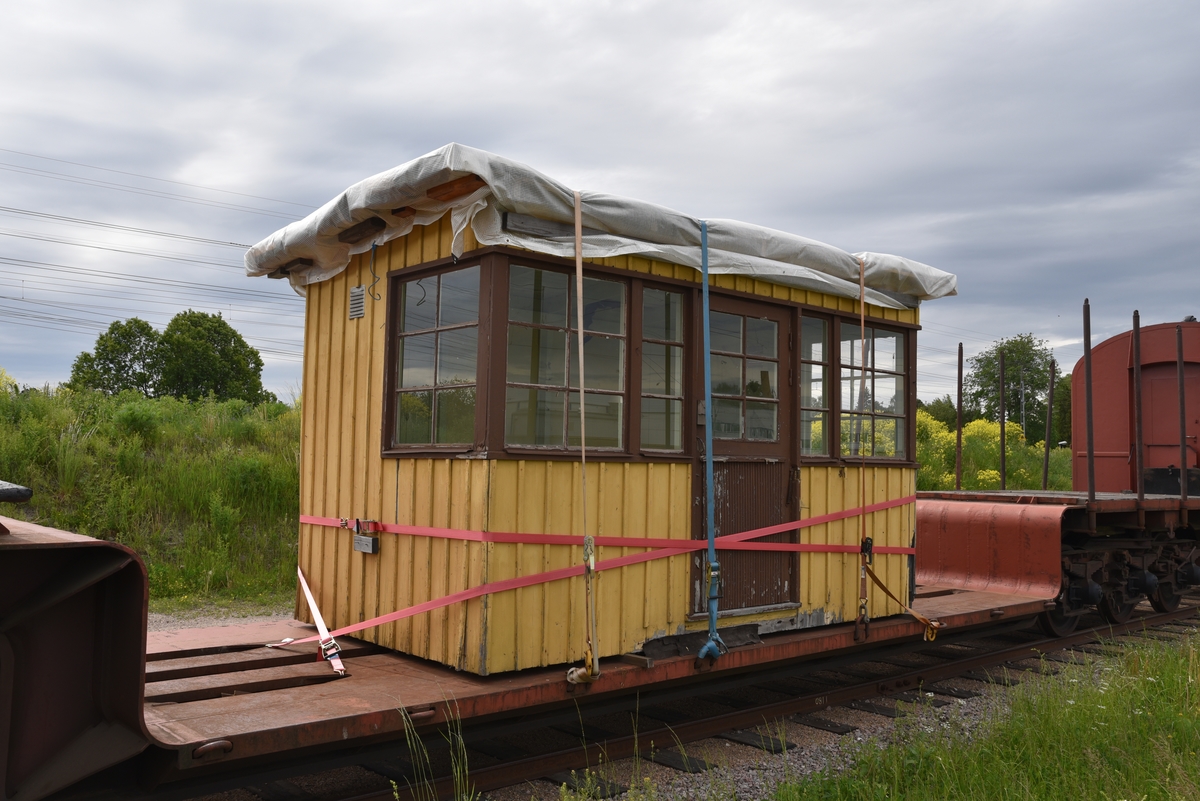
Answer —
829 425
909 389
492 363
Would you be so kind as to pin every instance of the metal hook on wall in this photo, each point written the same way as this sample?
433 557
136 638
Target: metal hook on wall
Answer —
371 289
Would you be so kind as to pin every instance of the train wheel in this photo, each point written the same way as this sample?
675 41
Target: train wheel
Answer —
1165 598
1115 612
1057 624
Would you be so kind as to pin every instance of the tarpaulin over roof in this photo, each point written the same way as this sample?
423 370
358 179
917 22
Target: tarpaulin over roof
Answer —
311 250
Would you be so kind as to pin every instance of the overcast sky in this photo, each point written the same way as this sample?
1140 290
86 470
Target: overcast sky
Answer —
1043 151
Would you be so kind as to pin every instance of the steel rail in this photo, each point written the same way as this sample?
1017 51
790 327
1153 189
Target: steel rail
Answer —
592 754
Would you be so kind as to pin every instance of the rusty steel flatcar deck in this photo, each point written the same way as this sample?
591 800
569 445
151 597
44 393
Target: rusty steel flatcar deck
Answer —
213 702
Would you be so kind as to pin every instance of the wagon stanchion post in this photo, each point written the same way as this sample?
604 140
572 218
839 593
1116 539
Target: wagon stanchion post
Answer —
1087 393
1003 427
1183 447
1049 428
1139 442
958 438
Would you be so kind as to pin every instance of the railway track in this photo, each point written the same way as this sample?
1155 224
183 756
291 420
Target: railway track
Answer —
653 724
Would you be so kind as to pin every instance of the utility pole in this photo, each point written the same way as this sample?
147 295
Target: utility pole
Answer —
1022 398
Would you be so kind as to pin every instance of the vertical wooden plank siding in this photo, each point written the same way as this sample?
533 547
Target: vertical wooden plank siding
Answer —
343 475
544 624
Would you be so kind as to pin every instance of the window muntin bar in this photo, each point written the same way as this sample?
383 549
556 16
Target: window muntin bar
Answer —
436 355
662 370
543 367
873 391
745 377
814 377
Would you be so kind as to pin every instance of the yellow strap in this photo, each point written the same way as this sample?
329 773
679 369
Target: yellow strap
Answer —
931 626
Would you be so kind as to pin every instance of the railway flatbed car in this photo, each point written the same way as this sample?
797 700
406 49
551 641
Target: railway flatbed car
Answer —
443 501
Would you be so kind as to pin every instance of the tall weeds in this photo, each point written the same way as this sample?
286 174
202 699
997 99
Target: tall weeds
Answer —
206 492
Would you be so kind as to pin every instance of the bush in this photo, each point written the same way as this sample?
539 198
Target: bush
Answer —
981 457
207 492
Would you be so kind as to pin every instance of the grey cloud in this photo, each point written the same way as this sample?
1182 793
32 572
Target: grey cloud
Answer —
1042 150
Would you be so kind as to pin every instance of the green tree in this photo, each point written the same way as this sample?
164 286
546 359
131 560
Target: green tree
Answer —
945 411
202 355
126 356
1026 379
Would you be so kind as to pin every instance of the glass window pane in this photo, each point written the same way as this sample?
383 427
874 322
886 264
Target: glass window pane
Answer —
533 417
415 364
761 379
852 345
889 351
537 296
889 394
762 337
537 356
457 350
604 362
812 386
812 433
418 304
727 419
812 340
459 299
603 306
456 416
604 420
662 424
852 388
662 315
726 375
856 435
725 331
414 416
662 369
889 436
761 423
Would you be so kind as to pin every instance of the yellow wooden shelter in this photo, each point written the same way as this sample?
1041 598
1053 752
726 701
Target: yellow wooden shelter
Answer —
439 390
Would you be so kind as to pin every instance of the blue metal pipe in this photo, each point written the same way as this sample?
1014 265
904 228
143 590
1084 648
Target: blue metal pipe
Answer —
714 647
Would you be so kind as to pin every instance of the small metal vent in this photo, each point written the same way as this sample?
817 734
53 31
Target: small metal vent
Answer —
357 301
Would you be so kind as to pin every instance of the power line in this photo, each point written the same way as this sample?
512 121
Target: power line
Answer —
33 171
249 293
114 226
85 244
79 325
153 178
219 308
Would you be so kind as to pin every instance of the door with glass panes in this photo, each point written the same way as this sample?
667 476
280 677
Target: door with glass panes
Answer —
752 379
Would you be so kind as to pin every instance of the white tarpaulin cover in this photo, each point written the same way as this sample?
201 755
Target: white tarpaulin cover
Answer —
618 226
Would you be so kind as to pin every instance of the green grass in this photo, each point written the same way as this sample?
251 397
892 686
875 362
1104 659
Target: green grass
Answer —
1117 729
207 492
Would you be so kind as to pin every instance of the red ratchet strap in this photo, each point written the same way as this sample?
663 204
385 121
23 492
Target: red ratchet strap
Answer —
329 647
729 542
665 548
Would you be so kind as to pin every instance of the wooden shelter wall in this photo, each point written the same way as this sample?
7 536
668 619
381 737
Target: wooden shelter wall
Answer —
344 475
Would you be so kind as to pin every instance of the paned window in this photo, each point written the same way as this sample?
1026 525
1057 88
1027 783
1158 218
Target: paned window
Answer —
745 377
438 333
662 370
873 392
543 388
814 380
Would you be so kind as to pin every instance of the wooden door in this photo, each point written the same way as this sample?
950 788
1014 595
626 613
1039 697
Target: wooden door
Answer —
752 380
